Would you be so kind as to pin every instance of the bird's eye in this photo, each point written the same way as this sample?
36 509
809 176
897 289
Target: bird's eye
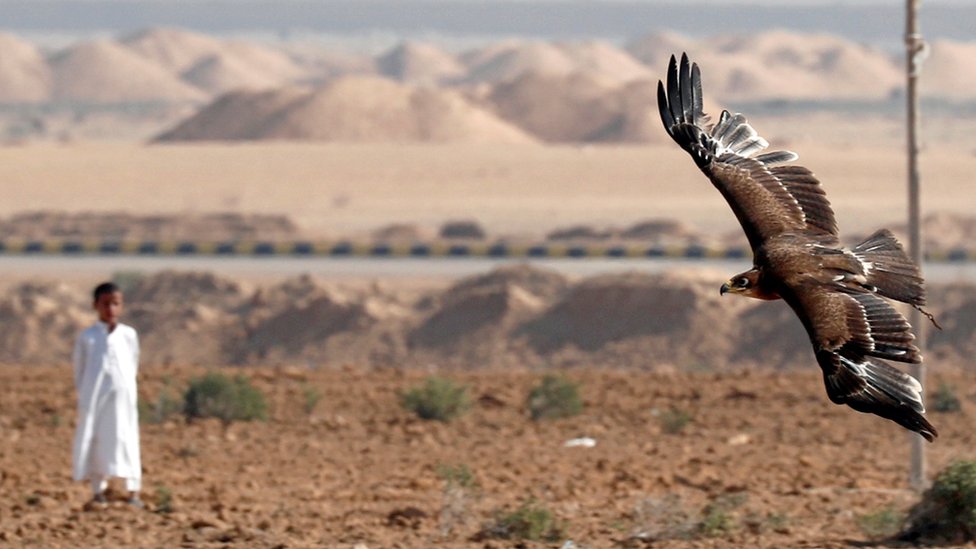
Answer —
742 282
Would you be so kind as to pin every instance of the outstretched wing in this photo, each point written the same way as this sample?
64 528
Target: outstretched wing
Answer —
766 195
850 332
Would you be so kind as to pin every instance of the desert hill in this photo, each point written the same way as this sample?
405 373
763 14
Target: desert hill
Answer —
236 64
419 63
509 60
103 71
355 108
514 316
24 74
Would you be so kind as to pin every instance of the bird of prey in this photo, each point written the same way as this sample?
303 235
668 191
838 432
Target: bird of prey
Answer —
797 256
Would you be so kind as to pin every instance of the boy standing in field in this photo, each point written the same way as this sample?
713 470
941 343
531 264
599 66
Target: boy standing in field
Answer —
106 359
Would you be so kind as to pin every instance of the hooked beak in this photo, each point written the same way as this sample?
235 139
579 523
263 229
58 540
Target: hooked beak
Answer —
724 289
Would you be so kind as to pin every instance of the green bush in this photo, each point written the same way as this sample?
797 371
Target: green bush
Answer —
531 521
555 397
220 396
166 406
718 516
438 398
457 476
944 399
164 499
947 511
674 420
311 397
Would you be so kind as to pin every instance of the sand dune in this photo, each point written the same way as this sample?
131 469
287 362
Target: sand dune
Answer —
24 75
220 73
180 51
348 109
507 61
104 71
419 63
950 70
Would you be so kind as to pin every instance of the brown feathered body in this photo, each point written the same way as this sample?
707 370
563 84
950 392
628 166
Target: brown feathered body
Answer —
838 294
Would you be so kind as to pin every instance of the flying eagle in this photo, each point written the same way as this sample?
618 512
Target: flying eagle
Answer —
837 293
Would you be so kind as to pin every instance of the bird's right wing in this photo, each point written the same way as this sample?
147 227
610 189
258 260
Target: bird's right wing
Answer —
768 196
850 332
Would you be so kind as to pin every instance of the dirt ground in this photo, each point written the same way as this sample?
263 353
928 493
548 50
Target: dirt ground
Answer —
331 190
358 471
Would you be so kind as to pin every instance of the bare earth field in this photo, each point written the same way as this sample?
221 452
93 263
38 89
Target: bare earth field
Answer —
352 189
359 471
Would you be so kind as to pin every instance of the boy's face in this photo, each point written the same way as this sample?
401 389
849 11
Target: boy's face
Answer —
109 307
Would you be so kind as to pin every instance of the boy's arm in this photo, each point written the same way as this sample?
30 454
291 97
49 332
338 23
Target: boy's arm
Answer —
78 359
135 349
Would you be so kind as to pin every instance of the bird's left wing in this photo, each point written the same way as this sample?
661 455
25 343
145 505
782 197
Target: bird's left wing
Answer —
768 196
850 333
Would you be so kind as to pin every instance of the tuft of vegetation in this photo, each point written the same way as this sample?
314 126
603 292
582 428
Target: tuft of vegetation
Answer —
663 518
674 420
457 476
163 499
311 397
460 487
944 399
556 397
165 407
438 398
718 518
532 521
947 511
881 524
223 397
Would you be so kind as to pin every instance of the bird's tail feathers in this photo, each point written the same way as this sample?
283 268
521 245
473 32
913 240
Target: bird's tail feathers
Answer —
890 271
873 387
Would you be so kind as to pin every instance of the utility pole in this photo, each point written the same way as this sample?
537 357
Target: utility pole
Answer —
915 52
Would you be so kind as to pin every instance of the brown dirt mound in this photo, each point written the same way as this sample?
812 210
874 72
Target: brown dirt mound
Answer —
515 316
184 317
218 227
354 108
484 308
106 72
40 322
665 313
24 74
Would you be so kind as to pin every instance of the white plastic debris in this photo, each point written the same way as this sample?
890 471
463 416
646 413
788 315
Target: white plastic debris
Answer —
584 442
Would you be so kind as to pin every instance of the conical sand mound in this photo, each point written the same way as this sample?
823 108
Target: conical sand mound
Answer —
348 109
419 63
221 73
24 75
105 72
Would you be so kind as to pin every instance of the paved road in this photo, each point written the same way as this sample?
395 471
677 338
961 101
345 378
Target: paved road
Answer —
378 268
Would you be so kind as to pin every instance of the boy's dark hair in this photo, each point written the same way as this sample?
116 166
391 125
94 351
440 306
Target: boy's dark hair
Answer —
105 288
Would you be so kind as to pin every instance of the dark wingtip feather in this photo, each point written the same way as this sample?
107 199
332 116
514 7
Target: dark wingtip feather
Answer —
664 108
674 91
687 97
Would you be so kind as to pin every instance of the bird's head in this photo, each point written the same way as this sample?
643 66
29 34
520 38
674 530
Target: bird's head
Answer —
745 284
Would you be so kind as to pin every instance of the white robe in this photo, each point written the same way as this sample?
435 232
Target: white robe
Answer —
107 435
